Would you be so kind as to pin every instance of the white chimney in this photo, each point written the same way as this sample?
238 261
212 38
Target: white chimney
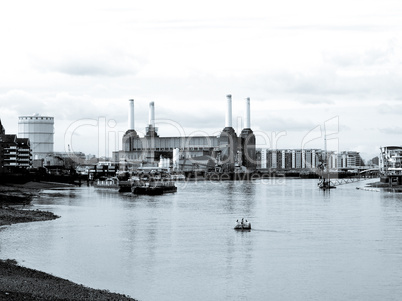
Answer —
131 115
247 117
152 114
176 158
228 121
263 158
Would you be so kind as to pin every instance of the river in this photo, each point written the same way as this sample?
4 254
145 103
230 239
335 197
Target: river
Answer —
306 244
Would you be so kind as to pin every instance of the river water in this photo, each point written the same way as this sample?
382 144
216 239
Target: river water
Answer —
306 244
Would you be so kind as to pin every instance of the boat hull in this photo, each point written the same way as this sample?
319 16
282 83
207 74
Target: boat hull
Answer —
244 227
148 190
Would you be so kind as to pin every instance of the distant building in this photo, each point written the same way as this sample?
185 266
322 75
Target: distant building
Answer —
40 131
301 159
78 157
65 159
228 149
374 161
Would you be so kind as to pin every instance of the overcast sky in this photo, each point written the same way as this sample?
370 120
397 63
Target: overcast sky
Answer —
304 64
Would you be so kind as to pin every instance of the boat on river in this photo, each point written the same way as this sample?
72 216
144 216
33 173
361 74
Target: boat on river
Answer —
107 183
151 184
324 182
243 225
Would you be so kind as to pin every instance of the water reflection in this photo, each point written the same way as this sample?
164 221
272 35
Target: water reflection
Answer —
305 244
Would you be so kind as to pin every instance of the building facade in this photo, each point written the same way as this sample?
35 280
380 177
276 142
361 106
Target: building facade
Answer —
390 160
301 159
15 153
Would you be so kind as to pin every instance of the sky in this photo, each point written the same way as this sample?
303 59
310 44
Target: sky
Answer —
312 69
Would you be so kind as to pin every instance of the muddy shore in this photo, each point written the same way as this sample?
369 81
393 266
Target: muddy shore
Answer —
20 283
11 215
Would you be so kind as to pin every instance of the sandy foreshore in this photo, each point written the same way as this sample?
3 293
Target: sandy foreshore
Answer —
12 215
20 283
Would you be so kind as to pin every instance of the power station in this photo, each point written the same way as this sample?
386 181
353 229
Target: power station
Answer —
228 150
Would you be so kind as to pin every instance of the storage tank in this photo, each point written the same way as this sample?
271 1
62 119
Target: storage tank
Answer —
40 131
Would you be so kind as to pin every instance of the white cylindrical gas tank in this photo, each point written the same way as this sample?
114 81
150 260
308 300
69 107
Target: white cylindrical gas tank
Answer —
40 131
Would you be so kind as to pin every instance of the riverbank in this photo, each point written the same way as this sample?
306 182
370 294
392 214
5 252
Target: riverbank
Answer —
12 215
20 283
24 193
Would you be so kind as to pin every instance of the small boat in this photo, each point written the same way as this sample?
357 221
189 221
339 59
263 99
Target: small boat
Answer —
325 181
146 190
107 183
177 177
153 185
243 226
124 186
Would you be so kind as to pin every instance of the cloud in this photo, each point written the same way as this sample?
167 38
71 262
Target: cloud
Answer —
387 109
285 123
391 130
368 57
339 27
110 64
19 100
330 83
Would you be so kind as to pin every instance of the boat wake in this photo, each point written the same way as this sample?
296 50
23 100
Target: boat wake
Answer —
267 230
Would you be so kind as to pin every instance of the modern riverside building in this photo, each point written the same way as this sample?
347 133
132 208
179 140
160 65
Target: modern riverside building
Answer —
299 159
15 153
40 131
390 162
228 150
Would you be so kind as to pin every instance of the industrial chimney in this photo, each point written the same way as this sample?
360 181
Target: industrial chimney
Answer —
248 142
228 140
228 120
152 114
247 117
131 115
151 130
131 134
